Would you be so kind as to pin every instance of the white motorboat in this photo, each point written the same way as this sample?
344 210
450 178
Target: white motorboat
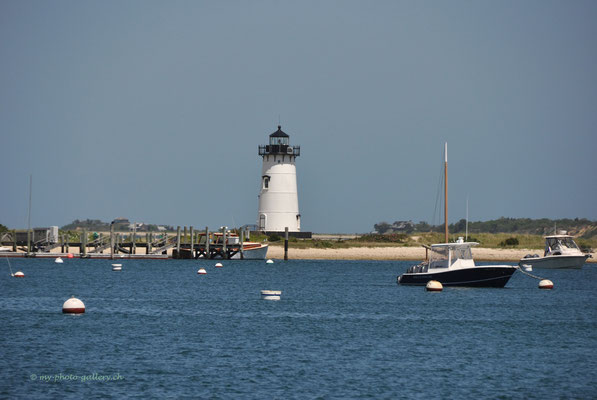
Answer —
560 252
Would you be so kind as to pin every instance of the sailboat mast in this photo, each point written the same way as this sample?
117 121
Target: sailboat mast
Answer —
446 189
29 217
466 230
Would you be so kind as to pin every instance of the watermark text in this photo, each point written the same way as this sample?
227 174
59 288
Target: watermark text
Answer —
94 377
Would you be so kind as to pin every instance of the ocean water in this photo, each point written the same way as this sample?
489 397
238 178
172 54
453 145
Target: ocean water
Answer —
343 329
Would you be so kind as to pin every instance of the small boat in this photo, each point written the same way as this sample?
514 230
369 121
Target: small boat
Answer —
452 264
251 250
560 252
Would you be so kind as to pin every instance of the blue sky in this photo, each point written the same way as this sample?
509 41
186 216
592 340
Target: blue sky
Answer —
153 110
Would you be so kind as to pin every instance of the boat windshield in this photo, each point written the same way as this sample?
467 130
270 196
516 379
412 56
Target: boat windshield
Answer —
561 243
438 257
462 252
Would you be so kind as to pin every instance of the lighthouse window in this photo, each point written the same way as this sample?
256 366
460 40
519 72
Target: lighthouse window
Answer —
278 140
266 182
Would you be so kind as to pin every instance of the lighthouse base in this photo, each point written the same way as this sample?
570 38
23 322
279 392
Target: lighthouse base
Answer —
298 235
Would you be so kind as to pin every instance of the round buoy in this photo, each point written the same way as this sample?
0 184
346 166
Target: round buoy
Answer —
527 267
19 274
219 265
269 262
69 255
116 267
58 260
434 286
202 271
271 294
73 306
546 284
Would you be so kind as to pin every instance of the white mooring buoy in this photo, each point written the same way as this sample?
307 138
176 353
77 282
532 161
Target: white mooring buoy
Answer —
58 260
19 274
546 284
271 294
269 262
201 271
527 267
434 286
116 267
73 306
219 265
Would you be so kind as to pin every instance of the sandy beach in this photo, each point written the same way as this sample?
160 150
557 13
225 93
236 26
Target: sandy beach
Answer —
276 251
396 253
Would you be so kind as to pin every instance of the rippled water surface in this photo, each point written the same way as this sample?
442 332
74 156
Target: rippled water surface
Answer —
343 329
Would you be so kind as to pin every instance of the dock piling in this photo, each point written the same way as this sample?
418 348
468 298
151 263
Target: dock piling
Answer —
286 244
112 241
134 247
242 240
84 244
192 233
224 248
207 254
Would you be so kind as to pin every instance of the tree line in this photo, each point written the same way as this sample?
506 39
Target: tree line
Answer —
544 226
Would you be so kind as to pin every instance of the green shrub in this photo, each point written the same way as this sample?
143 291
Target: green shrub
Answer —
511 241
274 238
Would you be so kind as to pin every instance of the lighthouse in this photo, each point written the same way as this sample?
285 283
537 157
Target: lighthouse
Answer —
278 198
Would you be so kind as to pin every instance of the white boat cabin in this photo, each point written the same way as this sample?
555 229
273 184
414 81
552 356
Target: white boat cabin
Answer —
452 255
561 245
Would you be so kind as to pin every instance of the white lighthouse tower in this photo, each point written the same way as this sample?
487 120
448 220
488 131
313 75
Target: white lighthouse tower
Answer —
278 198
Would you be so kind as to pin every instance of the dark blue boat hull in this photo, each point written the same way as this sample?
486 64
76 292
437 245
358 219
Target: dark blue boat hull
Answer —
486 276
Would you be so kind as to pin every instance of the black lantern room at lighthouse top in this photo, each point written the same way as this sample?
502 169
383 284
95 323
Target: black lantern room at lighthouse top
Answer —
279 144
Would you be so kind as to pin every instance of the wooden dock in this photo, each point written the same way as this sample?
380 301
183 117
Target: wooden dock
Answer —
184 245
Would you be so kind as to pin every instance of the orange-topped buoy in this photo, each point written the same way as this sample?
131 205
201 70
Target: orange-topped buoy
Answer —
546 284
73 306
69 255
434 286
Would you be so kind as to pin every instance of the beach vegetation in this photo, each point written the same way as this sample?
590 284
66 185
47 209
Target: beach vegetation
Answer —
580 227
509 242
274 238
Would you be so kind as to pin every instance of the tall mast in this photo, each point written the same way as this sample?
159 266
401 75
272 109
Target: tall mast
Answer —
29 217
446 189
466 231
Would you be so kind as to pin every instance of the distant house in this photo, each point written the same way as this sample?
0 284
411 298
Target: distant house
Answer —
396 227
136 226
402 226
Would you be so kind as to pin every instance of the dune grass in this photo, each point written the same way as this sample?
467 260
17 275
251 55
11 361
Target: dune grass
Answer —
488 240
